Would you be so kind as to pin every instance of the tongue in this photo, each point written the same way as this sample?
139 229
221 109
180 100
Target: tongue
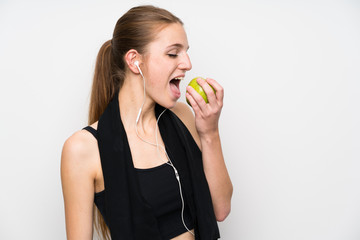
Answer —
175 90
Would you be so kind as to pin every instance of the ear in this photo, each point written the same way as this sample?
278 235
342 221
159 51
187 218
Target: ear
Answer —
130 58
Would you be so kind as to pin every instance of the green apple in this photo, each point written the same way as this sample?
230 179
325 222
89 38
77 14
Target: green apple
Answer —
193 83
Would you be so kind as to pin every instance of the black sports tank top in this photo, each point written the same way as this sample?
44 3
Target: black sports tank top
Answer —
160 190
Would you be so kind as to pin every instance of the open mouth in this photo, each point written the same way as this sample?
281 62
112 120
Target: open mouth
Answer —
175 86
176 81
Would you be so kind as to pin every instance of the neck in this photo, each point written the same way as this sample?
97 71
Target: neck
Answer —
131 97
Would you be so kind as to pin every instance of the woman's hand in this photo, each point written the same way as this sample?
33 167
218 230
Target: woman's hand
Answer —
206 114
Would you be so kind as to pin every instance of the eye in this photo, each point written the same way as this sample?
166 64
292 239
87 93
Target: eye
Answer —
172 55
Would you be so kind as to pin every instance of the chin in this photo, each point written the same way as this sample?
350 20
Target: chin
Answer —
170 104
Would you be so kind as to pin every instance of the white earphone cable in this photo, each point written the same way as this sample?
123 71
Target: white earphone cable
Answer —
169 162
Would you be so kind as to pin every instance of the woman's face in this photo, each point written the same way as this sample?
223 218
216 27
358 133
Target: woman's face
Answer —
165 64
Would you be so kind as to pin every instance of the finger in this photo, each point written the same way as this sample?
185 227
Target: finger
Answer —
218 88
210 94
193 103
200 102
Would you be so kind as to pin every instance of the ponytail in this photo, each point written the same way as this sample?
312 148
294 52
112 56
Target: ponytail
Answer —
106 83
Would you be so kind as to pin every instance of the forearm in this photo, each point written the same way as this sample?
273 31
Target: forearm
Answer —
206 122
216 174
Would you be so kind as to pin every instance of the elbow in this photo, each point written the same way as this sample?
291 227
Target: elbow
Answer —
223 209
222 214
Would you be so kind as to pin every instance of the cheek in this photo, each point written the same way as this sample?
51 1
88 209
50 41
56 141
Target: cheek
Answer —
154 75
158 70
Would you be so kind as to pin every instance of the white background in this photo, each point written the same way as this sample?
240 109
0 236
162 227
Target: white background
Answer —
289 126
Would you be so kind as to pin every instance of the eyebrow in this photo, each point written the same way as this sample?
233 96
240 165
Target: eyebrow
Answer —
179 45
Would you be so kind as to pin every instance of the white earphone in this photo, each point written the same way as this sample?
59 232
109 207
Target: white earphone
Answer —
138 67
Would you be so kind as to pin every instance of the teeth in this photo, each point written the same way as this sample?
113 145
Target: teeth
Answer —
179 78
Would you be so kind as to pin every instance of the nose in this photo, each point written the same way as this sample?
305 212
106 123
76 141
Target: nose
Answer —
185 63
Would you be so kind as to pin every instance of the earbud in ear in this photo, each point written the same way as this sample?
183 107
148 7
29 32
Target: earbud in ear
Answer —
138 67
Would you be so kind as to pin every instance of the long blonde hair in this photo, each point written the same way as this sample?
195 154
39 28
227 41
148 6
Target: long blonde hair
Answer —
134 30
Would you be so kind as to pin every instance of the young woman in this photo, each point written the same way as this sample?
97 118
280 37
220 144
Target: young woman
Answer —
152 168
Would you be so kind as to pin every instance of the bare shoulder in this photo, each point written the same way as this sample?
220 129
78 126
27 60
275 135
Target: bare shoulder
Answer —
77 153
186 115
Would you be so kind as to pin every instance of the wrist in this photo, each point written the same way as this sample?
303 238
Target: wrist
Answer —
210 136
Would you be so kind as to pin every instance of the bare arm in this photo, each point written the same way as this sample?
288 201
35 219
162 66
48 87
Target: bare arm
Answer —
205 131
77 176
